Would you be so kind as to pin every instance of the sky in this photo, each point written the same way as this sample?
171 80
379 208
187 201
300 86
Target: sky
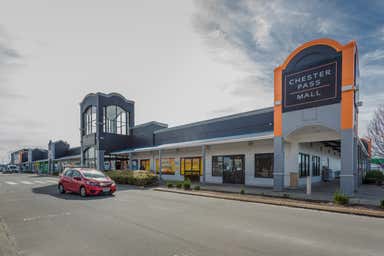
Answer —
180 61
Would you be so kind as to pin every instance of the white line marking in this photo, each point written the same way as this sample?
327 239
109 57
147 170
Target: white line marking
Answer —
52 181
11 183
49 216
26 182
39 181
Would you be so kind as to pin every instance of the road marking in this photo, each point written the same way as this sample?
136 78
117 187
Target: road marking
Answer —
39 181
52 181
49 216
26 182
11 183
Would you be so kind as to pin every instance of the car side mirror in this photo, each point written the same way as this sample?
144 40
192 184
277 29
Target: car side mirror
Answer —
77 178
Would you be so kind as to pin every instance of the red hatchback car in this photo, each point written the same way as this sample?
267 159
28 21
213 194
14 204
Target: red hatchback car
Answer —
85 181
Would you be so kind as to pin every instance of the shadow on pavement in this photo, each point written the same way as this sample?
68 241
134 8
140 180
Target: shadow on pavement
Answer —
52 191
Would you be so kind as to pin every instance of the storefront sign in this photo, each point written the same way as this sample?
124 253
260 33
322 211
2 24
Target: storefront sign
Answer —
312 87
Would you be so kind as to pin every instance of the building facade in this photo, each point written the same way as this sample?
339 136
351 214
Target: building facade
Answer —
309 135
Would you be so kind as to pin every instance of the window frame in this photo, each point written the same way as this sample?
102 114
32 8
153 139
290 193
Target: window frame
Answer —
306 171
264 155
232 158
68 173
90 161
76 173
90 120
119 124
316 160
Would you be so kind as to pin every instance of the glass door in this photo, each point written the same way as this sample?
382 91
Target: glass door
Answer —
233 169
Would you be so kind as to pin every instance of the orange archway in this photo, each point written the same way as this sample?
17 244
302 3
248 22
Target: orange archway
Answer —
348 52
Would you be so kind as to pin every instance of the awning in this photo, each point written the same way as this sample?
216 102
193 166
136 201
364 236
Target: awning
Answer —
68 157
42 160
196 143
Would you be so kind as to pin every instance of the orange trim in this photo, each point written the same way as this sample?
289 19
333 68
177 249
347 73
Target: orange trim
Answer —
348 79
325 41
277 115
347 109
277 121
348 64
278 84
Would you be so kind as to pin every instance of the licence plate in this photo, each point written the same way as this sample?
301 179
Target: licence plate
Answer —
106 189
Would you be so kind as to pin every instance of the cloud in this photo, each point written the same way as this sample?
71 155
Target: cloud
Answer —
12 133
256 36
9 60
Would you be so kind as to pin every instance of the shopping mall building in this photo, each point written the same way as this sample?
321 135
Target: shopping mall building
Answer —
309 135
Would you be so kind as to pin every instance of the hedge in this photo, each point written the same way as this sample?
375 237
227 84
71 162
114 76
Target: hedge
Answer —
373 177
138 178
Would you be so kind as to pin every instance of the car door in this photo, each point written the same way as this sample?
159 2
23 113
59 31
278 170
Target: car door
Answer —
67 179
75 184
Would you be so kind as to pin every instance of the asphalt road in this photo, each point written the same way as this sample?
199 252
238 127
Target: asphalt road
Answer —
36 220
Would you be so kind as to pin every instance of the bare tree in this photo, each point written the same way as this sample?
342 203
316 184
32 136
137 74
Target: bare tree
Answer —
376 132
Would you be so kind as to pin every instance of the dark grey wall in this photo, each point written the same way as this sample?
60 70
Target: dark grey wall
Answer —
244 123
143 135
73 151
61 149
105 141
39 154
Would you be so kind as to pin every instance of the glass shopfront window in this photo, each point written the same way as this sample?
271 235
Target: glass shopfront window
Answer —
135 164
217 166
315 166
115 120
191 166
304 165
145 164
168 166
89 118
264 165
231 168
90 157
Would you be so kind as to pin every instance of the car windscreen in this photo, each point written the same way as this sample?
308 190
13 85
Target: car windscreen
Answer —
93 174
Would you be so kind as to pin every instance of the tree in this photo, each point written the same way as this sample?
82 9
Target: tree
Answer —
376 132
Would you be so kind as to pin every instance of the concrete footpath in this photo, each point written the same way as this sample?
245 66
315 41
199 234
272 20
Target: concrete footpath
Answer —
321 206
7 242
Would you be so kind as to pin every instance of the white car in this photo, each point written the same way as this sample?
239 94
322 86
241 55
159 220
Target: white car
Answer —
11 168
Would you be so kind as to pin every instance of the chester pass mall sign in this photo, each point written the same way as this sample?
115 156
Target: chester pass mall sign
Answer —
313 86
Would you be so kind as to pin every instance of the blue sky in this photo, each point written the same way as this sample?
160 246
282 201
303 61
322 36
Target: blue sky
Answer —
180 61
262 33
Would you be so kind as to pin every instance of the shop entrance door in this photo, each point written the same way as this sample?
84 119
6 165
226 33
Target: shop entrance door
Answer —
191 168
233 172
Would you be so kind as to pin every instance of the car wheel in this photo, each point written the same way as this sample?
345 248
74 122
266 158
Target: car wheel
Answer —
61 189
83 192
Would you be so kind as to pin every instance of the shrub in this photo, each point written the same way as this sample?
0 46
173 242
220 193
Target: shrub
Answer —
340 198
187 184
179 185
169 184
242 191
196 187
382 204
372 177
138 178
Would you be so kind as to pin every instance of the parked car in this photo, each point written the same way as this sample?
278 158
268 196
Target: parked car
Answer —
85 181
11 168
